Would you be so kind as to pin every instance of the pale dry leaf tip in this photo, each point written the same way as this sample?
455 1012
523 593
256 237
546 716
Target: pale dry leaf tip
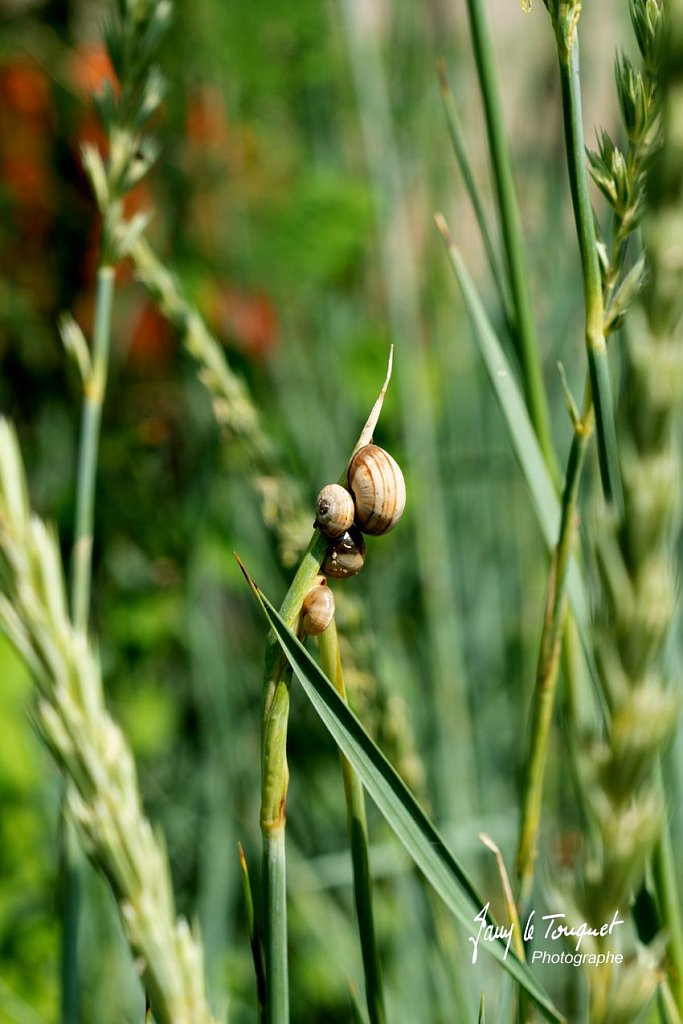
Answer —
443 229
507 892
487 841
369 428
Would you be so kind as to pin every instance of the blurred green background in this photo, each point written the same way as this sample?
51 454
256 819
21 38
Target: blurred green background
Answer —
304 152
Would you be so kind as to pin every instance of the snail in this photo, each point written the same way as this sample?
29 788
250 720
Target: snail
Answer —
378 488
345 555
335 510
317 609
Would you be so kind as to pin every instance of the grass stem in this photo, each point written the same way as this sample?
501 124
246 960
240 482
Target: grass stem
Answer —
91 415
330 657
275 896
94 389
460 149
549 659
568 54
518 271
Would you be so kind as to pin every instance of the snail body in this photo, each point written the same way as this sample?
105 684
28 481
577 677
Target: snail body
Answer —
317 609
345 555
379 492
335 510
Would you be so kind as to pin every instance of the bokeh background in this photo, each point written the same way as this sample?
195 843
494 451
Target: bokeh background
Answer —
304 151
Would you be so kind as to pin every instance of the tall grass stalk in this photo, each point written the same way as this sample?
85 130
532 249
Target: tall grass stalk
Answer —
621 180
560 634
636 559
565 18
81 582
331 663
93 400
554 622
132 36
459 147
511 228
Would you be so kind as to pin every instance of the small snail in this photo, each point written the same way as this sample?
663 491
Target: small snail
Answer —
378 488
335 510
345 556
317 609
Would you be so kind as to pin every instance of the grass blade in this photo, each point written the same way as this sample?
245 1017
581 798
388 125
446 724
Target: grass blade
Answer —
255 941
463 160
398 805
330 656
568 54
511 226
543 495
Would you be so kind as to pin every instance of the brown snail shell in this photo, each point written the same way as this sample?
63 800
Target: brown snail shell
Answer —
317 609
378 488
334 510
345 556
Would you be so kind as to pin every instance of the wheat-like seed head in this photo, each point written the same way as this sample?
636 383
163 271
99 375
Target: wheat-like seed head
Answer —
72 719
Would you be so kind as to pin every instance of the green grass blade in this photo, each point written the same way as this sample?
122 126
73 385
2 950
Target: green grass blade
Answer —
255 941
463 161
511 228
395 801
482 1010
330 659
357 1015
522 435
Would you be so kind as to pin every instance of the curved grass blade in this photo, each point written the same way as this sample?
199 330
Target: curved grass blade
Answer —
463 160
255 940
543 495
398 805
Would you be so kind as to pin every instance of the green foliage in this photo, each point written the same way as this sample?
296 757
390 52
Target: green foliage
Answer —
264 209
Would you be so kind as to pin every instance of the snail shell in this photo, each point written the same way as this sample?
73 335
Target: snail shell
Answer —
378 488
345 556
317 609
334 510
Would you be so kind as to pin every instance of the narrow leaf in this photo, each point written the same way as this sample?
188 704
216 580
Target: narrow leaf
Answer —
543 495
460 150
395 801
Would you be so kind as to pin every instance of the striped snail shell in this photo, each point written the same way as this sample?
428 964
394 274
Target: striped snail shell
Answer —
378 488
334 510
317 609
345 556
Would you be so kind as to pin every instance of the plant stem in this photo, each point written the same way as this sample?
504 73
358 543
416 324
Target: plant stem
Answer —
91 416
274 784
549 659
330 657
275 896
462 158
70 870
568 55
527 343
